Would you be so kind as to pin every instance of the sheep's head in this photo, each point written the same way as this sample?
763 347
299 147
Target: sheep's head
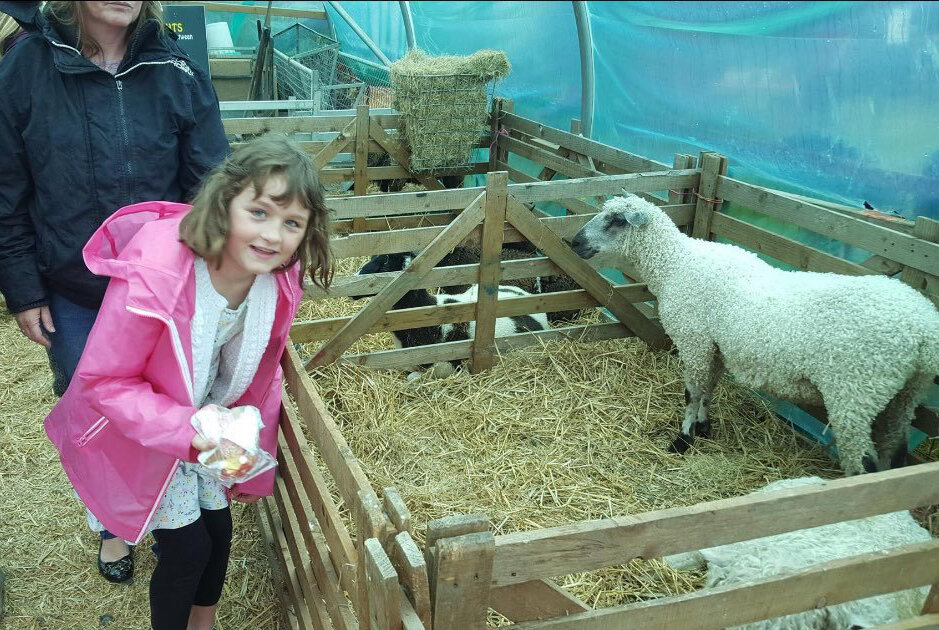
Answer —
384 263
610 229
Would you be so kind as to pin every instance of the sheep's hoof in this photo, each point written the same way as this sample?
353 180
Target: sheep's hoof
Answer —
703 429
899 458
681 444
869 463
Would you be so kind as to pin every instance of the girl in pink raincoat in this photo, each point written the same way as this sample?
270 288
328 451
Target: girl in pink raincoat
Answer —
198 311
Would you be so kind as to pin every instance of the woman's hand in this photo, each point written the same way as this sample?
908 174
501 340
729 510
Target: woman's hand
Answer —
29 322
201 444
242 497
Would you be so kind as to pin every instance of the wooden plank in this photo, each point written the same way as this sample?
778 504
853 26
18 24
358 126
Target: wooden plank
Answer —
716 608
462 572
380 224
300 124
546 158
605 185
903 248
361 150
455 350
370 523
584 275
342 551
496 130
454 525
590 545
926 229
538 599
347 473
409 562
402 203
712 165
231 7
419 267
404 319
605 153
382 582
326 577
401 156
333 175
781 248
923 622
483 348
575 206
396 509
372 283
337 144
932 600
268 540
301 612
312 597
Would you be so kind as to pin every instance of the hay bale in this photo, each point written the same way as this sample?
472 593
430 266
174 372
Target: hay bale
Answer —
444 104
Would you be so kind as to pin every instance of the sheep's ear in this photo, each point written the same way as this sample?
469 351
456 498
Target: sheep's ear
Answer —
635 218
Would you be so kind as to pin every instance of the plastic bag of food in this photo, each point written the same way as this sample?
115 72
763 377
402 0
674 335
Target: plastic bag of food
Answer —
238 455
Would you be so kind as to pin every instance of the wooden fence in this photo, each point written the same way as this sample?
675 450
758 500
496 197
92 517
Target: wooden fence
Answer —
348 558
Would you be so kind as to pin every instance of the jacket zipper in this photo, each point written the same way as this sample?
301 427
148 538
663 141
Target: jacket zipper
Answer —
92 431
183 372
128 162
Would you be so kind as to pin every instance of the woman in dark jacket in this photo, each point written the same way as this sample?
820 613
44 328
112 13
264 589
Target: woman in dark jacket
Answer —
100 109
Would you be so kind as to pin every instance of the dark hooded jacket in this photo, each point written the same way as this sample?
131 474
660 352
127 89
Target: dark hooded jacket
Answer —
77 144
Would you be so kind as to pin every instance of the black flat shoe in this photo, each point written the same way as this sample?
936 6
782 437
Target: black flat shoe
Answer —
119 571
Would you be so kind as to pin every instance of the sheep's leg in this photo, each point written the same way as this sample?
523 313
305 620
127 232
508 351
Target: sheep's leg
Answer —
891 429
702 372
851 421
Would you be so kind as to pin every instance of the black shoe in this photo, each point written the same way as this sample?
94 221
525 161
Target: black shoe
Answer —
119 571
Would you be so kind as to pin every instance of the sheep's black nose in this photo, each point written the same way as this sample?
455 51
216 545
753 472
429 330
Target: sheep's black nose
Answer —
581 247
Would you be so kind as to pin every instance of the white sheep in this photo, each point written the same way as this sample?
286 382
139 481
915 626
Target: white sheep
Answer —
752 560
866 347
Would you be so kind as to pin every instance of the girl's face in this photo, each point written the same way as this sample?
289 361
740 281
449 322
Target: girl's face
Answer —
113 14
262 234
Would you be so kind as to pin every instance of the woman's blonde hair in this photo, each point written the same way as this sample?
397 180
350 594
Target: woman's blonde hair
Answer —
205 228
8 28
71 14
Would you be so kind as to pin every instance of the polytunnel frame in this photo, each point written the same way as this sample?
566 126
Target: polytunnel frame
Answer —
584 41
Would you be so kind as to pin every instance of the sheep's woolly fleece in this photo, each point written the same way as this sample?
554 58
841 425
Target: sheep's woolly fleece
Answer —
857 341
748 561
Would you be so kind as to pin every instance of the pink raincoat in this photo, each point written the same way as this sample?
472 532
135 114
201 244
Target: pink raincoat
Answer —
122 426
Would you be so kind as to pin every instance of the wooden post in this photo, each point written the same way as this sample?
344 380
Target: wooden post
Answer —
490 272
711 165
361 150
384 607
926 229
682 161
462 575
448 527
370 523
411 566
494 126
497 154
932 601
396 509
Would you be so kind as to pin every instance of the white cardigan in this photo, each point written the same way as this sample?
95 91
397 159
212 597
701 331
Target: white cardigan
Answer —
241 356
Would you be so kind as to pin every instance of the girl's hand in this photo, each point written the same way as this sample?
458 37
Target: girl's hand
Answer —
243 498
201 444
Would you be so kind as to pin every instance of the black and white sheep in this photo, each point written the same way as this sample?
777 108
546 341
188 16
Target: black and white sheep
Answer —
469 255
444 333
865 347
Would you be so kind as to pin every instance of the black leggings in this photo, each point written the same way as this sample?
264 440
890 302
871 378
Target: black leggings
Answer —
191 568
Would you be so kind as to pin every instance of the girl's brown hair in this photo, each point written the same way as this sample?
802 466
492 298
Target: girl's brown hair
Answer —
72 15
205 228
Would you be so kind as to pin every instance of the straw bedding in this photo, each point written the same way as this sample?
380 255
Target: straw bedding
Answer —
47 552
555 434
